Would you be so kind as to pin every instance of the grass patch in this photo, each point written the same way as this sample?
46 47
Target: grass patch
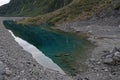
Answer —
77 9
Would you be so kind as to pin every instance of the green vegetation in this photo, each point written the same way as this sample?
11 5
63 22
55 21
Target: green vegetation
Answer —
31 7
117 6
56 11
77 9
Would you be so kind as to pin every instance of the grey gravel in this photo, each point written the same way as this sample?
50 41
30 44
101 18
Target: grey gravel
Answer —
103 31
17 64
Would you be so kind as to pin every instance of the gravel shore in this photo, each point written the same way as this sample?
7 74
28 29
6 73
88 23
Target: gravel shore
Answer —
17 64
104 31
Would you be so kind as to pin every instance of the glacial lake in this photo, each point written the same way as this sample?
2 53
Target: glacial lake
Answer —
67 50
37 54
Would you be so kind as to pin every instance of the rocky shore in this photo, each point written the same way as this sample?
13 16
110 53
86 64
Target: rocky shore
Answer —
103 31
17 64
103 64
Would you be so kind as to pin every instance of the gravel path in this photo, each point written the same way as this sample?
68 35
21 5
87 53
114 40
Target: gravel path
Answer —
17 64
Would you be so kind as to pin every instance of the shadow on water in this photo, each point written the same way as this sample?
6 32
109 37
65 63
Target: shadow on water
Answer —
66 50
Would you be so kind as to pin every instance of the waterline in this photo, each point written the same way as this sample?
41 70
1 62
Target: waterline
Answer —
37 54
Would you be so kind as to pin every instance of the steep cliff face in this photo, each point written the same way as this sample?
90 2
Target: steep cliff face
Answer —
31 7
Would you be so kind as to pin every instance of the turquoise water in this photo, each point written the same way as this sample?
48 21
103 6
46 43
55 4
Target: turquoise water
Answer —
63 48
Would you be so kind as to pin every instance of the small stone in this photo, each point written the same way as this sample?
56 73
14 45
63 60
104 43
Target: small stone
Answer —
109 56
106 51
66 54
86 78
8 72
98 75
79 79
2 68
116 58
108 61
117 54
98 62
92 59
24 79
29 63
57 55
105 69
113 51
22 71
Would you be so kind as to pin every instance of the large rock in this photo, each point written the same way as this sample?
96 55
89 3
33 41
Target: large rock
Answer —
116 56
113 57
108 61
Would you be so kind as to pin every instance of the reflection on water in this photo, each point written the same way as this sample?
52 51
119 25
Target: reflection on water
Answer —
63 48
37 54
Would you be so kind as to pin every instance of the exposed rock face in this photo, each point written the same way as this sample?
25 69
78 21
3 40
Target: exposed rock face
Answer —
17 64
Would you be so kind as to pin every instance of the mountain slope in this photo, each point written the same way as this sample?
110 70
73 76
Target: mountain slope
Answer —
58 11
77 9
31 7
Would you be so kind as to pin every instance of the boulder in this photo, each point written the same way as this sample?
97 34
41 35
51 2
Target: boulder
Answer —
113 57
108 61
